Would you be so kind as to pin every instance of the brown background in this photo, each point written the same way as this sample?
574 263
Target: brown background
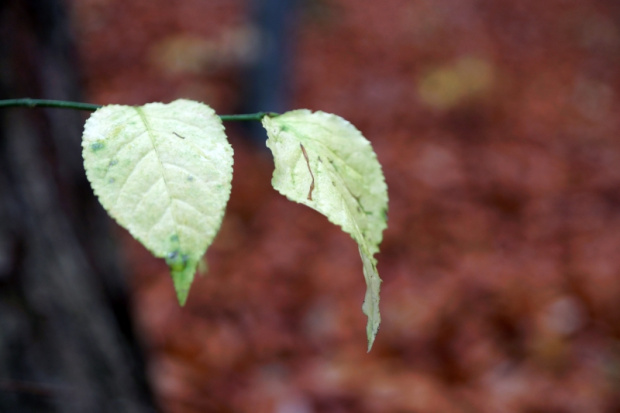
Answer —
497 126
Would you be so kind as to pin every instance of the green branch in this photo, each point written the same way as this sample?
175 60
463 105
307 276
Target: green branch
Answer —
46 103
248 116
61 104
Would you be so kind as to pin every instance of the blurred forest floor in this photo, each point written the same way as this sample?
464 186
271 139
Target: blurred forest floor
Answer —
497 125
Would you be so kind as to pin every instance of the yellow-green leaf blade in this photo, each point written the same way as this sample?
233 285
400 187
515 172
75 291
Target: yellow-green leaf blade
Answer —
324 162
162 171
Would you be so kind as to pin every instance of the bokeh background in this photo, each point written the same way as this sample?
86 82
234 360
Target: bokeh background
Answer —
497 126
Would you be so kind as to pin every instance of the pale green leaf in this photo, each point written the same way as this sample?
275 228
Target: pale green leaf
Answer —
324 162
164 172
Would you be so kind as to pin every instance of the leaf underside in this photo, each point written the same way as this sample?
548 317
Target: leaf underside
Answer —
164 172
324 162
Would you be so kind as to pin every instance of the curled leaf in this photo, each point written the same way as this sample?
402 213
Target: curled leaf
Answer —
324 162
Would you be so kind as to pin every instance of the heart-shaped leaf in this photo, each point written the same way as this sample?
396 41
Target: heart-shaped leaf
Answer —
164 172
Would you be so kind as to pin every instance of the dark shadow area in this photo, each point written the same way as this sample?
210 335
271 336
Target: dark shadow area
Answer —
67 341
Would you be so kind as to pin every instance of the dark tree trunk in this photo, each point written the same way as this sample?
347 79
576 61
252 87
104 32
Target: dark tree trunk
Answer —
267 78
66 341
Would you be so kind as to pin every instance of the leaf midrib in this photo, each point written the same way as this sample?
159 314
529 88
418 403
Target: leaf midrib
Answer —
150 134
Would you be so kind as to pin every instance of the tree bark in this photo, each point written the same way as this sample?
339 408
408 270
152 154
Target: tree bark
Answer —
66 336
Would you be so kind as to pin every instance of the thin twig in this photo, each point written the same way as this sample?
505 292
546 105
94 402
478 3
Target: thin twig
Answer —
61 104
47 103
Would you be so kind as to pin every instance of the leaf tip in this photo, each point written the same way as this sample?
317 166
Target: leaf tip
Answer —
182 281
182 270
370 343
182 297
372 329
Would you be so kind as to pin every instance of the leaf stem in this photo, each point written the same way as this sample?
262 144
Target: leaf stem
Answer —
61 104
